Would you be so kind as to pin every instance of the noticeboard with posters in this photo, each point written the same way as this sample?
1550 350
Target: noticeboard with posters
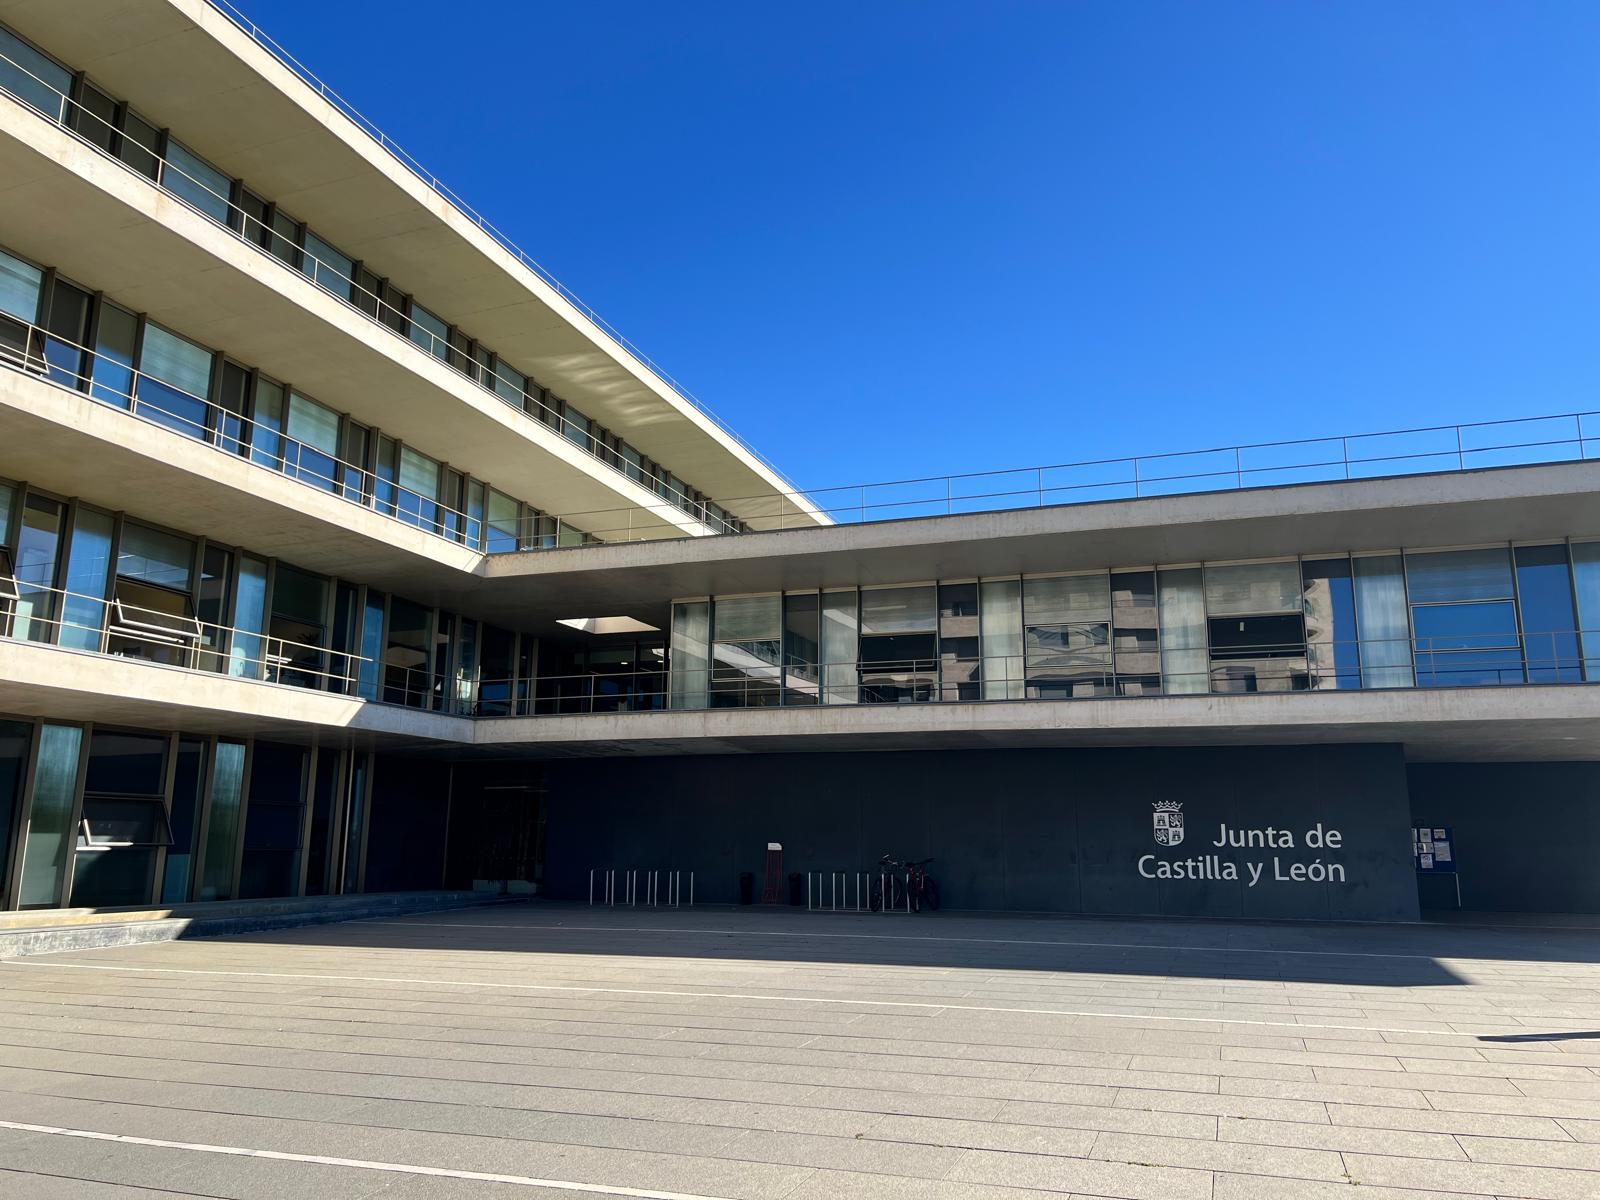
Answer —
1434 848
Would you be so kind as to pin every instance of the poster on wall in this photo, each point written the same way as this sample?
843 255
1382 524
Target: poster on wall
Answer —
1434 848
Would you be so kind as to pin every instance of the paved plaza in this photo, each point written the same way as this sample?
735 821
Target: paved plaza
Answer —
536 1050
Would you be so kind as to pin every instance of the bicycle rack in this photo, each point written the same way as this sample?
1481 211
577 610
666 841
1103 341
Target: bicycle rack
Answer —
851 891
647 889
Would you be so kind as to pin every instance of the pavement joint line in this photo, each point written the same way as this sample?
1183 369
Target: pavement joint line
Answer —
831 1000
597 1189
908 937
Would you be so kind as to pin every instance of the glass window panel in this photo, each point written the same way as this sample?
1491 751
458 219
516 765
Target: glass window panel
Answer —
1334 660
49 821
189 177
1000 634
1586 584
15 740
246 655
185 370
1060 599
67 326
127 764
19 288
211 606
38 545
509 384
95 117
266 435
188 793
1242 589
407 679
222 822
8 500
141 144
748 618
801 651
503 521
371 646
429 332
1459 575
88 569
841 678
326 267
38 81
283 238
314 442
1380 589
155 556
690 661
1182 612
899 610
575 427
1490 624
116 336
419 473
1549 622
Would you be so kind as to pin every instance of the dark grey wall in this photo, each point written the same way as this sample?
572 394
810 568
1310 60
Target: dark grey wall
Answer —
1527 835
1039 830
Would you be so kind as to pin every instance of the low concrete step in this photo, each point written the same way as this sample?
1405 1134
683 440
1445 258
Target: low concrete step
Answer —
50 931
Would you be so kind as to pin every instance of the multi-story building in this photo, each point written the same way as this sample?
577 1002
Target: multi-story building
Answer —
343 550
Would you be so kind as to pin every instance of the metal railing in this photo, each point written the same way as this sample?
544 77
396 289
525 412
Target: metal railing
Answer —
1322 665
73 367
636 888
439 188
170 637
292 255
1419 450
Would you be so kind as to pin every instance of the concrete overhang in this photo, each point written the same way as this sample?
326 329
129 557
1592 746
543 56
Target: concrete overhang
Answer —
114 231
1465 724
45 681
63 442
1406 512
183 65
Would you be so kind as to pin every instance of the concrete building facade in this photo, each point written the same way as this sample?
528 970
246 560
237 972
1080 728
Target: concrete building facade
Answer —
341 549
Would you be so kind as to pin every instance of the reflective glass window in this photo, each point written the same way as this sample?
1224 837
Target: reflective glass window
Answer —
116 337
37 80
509 384
1459 575
222 822
48 829
88 571
189 177
1380 590
1586 586
503 522
140 146
19 288
689 664
1181 605
1549 621
95 117
1000 635
429 332
177 380
312 451
326 267
1332 650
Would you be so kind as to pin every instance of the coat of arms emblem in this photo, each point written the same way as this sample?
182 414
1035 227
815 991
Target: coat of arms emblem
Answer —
1167 820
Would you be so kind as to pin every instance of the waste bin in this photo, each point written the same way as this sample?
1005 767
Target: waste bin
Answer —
747 887
797 888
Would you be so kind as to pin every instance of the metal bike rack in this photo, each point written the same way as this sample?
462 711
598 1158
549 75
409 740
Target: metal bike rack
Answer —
640 888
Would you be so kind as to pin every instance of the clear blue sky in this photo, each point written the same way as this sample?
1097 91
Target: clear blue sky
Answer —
885 238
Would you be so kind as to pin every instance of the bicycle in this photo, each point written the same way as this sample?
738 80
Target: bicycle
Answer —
907 884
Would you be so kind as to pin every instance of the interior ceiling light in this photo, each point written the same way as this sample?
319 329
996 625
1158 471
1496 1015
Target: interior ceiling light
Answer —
608 625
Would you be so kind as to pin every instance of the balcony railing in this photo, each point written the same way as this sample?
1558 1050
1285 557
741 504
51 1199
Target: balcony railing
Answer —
334 279
71 366
1420 450
1459 661
171 637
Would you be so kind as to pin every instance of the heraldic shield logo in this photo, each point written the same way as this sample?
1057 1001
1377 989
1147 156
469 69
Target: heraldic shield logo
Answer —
1168 822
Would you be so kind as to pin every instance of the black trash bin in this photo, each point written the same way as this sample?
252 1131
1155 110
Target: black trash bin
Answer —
797 888
747 887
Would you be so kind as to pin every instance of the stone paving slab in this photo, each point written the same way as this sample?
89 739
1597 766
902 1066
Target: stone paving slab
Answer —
547 1051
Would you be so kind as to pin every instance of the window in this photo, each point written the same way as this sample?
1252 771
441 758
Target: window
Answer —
1332 654
1380 594
898 651
1463 618
140 147
1135 643
95 117
313 447
19 297
690 661
1067 635
503 522
429 332
189 177
509 384
958 641
283 240
38 81
419 489
1181 610
299 627
326 267
177 379
1255 627
66 335
1549 622
116 337
575 427
746 651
